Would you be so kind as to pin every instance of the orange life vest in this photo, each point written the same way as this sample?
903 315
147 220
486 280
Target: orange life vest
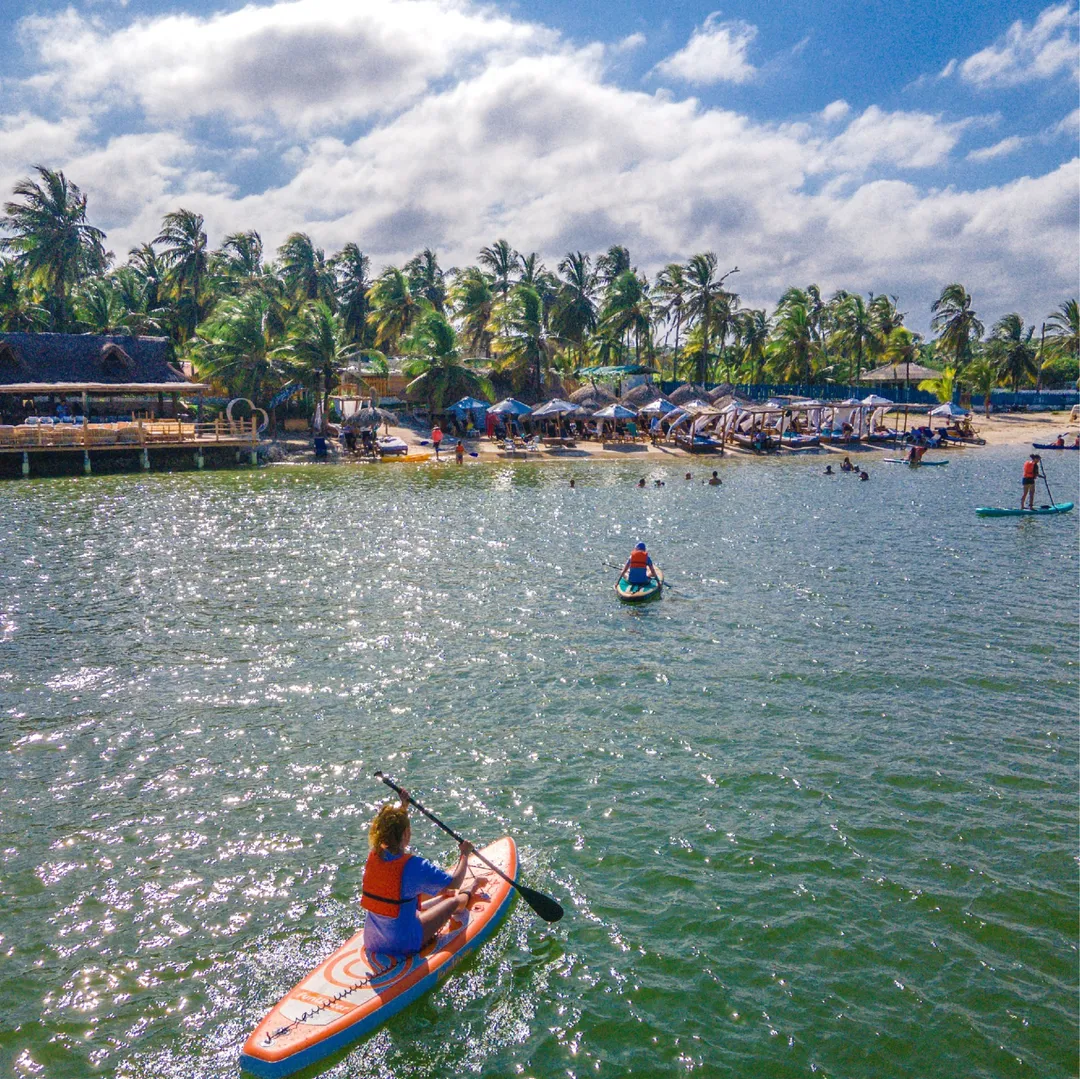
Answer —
381 890
1031 469
639 559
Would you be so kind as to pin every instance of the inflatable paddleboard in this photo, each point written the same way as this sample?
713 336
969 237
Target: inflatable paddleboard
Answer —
914 464
1058 507
352 992
638 593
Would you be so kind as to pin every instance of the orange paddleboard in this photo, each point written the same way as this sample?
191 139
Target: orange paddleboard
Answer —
350 994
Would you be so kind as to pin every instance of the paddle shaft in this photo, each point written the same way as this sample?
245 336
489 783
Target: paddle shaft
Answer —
1049 494
544 905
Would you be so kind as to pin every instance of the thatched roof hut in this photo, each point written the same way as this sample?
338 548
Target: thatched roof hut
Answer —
725 389
592 397
688 391
641 395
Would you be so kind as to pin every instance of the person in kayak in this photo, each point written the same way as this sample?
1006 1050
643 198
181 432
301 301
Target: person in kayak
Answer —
1031 474
394 879
639 567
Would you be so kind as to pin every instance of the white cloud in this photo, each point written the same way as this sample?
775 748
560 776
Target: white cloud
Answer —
1000 149
835 110
309 63
535 143
1046 48
629 43
716 52
905 139
1070 125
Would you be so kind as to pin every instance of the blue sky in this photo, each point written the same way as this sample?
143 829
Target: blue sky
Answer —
851 144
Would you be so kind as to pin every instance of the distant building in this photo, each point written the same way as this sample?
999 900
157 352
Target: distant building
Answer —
90 373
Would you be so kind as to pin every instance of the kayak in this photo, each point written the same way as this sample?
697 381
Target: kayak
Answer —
352 992
913 464
1052 446
1058 507
638 593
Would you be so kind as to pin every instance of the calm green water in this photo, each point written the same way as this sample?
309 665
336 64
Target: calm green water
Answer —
813 813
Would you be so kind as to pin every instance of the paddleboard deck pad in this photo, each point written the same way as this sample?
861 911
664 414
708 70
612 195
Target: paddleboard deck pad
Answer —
1058 507
638 593
352 992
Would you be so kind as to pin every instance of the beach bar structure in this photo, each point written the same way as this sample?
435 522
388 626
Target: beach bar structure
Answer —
67 400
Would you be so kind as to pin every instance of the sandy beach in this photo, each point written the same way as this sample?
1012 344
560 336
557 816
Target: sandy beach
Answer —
1007 429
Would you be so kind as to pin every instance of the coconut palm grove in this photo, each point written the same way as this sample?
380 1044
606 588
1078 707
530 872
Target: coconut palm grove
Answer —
253 320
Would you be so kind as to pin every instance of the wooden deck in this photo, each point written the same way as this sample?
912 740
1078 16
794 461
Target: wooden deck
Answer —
138 434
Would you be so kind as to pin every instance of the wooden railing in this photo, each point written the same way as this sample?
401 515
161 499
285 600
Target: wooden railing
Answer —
140 433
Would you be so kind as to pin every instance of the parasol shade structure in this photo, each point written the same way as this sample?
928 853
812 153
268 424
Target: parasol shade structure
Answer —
615 412
371 418
468 404
949 410
510 406
557 407
659 407
875 400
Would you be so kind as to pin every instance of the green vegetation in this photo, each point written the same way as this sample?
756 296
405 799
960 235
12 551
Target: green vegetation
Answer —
253 323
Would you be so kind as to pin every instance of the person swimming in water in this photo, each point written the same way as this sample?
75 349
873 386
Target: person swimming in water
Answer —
829 471
641 482
394 880
714 480
846 465
639 567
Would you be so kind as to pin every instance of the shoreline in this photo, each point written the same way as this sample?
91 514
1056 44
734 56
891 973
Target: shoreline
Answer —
1007 429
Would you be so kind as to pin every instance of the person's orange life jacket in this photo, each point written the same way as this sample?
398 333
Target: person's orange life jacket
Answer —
1031 469
639 559
381 890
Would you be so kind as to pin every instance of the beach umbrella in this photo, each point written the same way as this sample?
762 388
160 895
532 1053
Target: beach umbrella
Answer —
695 405
875 400
949 410
615 412
468 404
554 408
511 406
372 417
659 407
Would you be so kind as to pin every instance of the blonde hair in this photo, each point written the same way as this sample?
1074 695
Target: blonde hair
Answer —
388 828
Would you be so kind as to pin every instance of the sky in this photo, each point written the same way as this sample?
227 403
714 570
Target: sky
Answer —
850 143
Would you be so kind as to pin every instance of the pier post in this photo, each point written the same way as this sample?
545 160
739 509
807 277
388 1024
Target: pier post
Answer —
254 457
200 460
86 461
25 463
145 460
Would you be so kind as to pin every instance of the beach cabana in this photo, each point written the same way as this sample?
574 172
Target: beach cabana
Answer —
469 408
949 411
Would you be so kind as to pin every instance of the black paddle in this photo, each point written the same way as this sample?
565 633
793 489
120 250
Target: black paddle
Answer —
544 905
1048 492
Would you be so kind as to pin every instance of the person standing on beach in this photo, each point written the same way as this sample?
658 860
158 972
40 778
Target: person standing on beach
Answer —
1031 474
436 439
459 453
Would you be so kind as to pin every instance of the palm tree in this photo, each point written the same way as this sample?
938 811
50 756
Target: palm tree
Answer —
99 307
981 374
941 387
352 267
427 279
793 353
51 239
435 364
958 325
501 260
705 295
19 312
316 347
238 265
474 302
884 315
628 310
857 333
185 259
671 289
1064 326
611 265
752 329
575 314
1011 351
394 308
522 344
304 269
236 345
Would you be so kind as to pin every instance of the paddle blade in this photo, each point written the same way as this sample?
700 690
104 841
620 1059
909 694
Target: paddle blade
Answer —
544 905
